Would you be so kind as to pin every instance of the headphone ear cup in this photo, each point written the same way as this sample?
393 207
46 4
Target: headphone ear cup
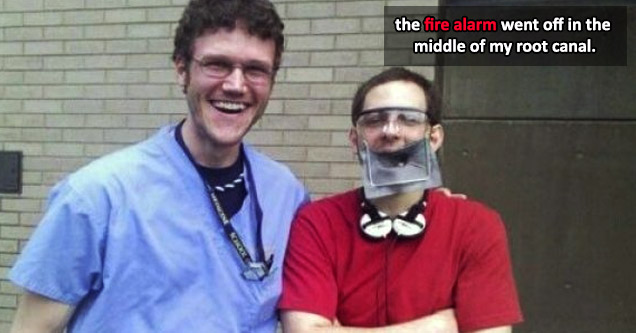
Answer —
377 225
373 224
375 229
413 222
406 228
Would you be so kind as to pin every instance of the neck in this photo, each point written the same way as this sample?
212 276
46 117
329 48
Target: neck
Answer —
204 151
397 203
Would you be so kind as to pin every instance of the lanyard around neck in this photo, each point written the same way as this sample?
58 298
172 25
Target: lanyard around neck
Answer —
254 270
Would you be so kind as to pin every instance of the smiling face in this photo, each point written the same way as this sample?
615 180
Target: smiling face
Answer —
404 94
222 109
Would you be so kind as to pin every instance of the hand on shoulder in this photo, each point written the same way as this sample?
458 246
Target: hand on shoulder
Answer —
447 192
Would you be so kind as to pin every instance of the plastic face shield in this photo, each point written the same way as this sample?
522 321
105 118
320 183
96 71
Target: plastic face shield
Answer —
407 165
383 174
413 167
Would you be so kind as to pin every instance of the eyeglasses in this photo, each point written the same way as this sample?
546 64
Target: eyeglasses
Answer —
378 118
220 68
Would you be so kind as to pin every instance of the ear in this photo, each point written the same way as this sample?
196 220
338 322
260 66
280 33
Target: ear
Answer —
182 73
437 137
353 140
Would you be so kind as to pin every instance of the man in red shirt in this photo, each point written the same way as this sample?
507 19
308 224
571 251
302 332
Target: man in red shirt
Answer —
393 256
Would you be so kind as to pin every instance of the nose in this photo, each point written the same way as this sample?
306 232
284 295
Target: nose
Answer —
235 82
392 128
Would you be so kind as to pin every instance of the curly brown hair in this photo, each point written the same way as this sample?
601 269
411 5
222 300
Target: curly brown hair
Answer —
259 17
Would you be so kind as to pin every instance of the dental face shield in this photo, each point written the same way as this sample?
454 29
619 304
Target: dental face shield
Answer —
411 168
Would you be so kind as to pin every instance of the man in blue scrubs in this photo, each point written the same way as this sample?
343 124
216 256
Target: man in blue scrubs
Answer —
186 231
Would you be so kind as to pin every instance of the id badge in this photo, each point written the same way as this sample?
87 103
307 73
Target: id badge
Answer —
256 271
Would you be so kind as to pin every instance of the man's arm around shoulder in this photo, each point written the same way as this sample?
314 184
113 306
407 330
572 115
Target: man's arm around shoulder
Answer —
304 322
39 314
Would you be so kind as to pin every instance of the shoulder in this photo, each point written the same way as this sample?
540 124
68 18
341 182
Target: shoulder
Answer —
477 230
468 214
336 212
114 165
345 201
119 171
325 223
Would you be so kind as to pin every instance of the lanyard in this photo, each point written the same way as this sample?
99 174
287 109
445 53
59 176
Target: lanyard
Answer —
255 271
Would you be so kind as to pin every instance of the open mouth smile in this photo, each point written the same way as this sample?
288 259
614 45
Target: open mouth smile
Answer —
229 107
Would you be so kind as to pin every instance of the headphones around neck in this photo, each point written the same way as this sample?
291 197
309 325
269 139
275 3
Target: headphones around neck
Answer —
377 225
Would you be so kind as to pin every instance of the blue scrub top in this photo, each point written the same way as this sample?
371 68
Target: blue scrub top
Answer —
132 241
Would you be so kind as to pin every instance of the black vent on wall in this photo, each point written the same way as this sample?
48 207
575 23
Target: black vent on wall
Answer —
10 172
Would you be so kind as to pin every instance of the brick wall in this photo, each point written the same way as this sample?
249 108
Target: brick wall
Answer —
81 78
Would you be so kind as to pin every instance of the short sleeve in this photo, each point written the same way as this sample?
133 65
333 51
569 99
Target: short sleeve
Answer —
309 282
63 258
485 293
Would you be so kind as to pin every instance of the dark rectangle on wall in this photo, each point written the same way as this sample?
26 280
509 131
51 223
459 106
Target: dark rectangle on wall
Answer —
566 192
10 172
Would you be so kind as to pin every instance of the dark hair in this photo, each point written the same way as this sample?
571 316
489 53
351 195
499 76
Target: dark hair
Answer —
433 101
259 16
